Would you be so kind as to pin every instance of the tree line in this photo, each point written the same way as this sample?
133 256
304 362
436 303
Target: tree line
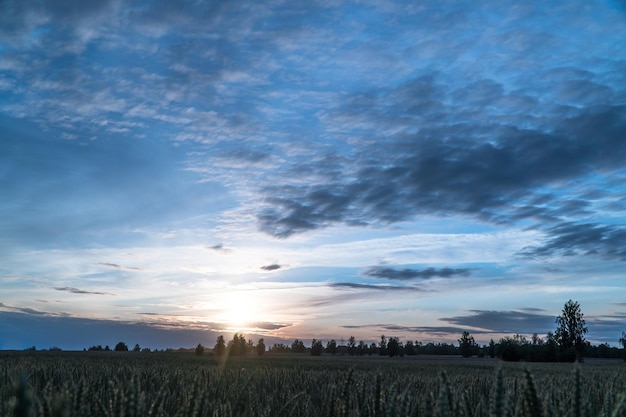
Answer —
566 344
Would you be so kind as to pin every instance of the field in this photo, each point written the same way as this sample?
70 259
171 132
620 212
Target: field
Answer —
128 384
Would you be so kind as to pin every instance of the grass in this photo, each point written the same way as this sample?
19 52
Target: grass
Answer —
129 384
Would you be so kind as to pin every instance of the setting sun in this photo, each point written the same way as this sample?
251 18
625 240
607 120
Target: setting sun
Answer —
240 310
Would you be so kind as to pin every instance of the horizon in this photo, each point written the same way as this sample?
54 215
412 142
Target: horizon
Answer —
182 170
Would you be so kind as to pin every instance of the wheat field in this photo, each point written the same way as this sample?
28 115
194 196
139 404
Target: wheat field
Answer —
129 384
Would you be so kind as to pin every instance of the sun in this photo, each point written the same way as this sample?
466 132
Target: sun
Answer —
240 310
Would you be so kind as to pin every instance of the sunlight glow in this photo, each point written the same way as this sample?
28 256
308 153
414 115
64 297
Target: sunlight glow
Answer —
240 310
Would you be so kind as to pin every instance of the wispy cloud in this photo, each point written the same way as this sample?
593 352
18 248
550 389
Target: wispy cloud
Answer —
571 239
79 291
116 266
408 274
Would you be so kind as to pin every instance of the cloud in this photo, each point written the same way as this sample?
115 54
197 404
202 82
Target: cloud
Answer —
409 274
24 330
78 291
446 331
263 325
357 286
572 239
271 267
24 310
116 266
506 321
500 180
220 248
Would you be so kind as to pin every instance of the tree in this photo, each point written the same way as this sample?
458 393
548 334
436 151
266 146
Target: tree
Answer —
121 347
571 329
316 347
393 347
622 341
382 350
466 344
238 346
137 348
331 346
492 348
260 347
351 345
220 346
298 346
199 350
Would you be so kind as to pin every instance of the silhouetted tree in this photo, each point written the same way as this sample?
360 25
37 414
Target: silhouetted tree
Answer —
382 349
550 349
220 346
393 347
492 348
331 346
298 346
279 347
622 341
571 329
137 348
316 347
362 348
238 346
260 347
121 347
352 345
409 348
199 350
467 346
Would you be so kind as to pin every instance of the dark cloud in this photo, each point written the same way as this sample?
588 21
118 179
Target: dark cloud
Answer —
506 321
446 331
78 291
357 286
219 248
268 326
24 310
492 171
23 330
571 239
271 267
409 274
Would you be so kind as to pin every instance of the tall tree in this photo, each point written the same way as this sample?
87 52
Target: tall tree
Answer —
260 347
571 328
331 346
220 346
351 345
394 347
622 340
382 350
316 347
466 344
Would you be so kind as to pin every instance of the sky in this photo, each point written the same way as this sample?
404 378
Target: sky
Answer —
173 171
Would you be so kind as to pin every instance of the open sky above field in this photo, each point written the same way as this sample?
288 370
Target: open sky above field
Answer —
175 170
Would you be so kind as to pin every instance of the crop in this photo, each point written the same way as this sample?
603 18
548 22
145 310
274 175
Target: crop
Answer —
158 384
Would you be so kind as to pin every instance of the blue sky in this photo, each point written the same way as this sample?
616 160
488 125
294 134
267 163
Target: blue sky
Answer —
172 171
